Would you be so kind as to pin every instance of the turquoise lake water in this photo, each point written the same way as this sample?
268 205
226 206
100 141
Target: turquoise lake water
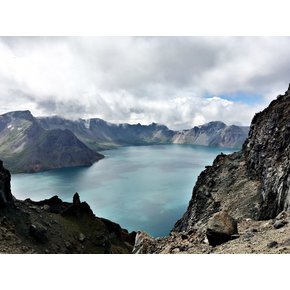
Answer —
141 188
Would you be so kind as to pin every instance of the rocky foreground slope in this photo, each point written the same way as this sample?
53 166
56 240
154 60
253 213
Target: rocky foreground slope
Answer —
241 203
54 226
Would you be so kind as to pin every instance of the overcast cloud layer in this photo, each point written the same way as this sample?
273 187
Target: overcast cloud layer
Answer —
177 81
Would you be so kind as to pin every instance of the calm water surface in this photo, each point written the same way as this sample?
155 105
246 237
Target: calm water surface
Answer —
141 188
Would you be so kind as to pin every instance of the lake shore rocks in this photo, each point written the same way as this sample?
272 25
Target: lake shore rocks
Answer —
54 226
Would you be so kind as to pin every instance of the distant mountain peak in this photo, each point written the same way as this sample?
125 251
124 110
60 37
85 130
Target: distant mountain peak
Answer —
219 124
26 114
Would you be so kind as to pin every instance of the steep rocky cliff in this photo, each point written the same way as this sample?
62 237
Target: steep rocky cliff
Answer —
250 185
267 153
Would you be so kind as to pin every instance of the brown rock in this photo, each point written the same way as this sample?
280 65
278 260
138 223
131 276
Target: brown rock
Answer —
221 228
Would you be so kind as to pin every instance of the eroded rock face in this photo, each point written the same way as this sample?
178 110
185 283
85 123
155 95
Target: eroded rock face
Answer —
267 152
253 183
6 197
221 228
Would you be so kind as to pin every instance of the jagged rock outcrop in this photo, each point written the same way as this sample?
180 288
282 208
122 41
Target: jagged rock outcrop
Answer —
267 152
6 198
77 208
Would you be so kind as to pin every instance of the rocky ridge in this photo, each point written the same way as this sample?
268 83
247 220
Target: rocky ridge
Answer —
99 134
251 186
54 226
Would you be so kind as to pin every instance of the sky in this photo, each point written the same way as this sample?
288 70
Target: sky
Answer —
177 81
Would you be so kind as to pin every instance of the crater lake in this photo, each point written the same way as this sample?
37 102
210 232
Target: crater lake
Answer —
144 188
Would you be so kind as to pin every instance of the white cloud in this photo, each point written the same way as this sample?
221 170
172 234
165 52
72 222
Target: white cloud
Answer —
176 81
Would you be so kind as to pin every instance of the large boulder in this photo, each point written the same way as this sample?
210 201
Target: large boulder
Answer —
221 228
6 198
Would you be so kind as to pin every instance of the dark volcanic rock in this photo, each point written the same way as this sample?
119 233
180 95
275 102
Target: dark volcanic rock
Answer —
76 199
55 204
77 208
220 228
279 224
272 244
267 153
6 197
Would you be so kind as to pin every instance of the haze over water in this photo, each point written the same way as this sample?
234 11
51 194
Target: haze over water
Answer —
141 188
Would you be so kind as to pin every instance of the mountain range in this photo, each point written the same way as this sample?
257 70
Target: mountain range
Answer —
27 147
99 134
31 144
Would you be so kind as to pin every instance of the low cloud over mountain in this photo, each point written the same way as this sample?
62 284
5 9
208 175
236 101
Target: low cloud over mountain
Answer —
179 81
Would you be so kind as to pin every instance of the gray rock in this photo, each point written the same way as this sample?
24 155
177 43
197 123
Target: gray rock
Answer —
279 224
46 207
286 242
81 237
175 251
68 245
282 215
272 244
